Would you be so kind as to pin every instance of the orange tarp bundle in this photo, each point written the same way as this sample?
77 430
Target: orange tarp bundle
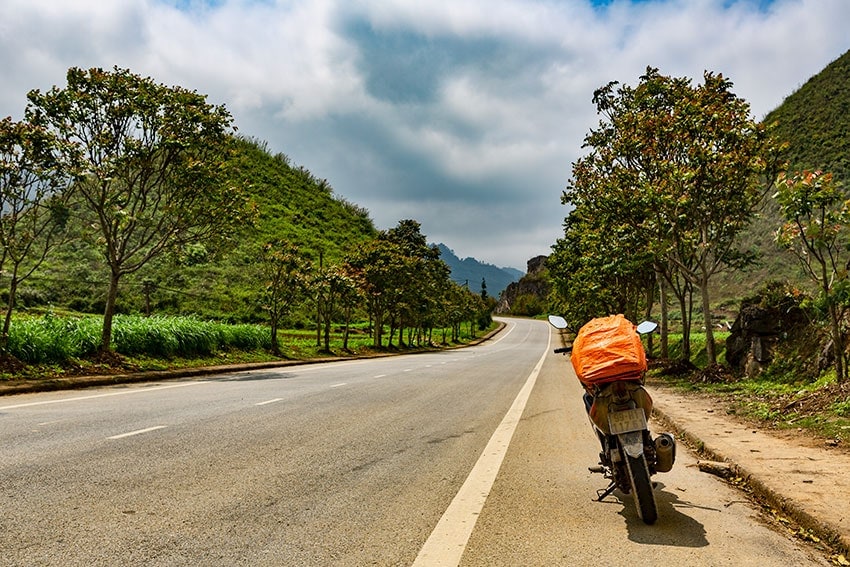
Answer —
608 349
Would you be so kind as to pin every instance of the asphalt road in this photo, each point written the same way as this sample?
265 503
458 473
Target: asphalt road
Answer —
475 457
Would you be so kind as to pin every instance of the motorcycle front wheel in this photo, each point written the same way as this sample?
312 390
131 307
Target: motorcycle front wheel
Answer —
642 489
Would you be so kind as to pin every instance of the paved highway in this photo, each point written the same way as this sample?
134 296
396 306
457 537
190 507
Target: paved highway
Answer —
475 456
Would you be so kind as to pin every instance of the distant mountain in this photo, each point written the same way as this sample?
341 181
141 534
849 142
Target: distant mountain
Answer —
470 271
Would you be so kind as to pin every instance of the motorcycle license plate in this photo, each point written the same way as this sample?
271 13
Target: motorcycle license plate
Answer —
626 421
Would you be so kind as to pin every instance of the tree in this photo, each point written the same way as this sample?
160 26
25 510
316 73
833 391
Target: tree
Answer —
336 295
816 231
401 277
33 204
378 268
599 267
684 168
151 161
284 272
421 267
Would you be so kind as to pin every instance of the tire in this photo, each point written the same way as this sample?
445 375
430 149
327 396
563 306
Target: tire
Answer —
642 489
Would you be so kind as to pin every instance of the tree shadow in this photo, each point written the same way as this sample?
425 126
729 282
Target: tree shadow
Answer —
255 376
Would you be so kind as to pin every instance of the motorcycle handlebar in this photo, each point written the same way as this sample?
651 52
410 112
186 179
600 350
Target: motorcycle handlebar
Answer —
562 350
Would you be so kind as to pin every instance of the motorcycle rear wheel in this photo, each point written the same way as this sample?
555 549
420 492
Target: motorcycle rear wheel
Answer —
642 489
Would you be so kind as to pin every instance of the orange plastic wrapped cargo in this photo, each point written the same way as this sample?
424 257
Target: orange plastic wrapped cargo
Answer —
608 349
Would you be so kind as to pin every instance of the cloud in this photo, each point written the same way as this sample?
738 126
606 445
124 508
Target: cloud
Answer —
463 114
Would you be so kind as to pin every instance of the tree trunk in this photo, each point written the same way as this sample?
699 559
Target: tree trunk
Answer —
709 326
686 328
109 312
318 322
837 342
328 334
378 330
665 326
275 346
345 328
7 323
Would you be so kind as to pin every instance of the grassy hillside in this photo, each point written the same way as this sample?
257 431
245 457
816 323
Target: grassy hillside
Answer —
215 283
815 122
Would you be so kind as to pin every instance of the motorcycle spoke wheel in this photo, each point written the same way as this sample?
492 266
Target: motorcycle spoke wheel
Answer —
642 489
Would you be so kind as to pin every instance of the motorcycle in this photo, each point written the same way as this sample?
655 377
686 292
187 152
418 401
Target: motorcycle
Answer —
608 356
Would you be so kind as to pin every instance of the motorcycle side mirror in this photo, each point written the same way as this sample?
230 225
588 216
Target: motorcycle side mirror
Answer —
646 327
557 321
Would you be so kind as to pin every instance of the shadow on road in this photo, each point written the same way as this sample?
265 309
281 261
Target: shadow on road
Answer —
673 527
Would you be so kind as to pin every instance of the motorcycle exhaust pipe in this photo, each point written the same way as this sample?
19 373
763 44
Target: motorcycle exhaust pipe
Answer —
665 452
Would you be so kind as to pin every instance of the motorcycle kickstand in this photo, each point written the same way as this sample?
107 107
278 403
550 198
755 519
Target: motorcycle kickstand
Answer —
601 494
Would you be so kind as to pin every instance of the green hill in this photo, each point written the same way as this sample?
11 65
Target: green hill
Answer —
815 122
292 204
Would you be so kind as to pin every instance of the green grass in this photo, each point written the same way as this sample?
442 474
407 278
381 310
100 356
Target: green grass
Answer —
778 398
51 345
53 339
698 351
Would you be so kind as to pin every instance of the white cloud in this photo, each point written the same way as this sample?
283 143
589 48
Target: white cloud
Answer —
463 114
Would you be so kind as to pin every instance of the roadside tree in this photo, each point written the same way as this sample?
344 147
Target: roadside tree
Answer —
284 272
816 231
34 193
336 296
684 167
151 164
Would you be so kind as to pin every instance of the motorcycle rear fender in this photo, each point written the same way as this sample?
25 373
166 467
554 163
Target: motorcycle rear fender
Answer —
632 443
603 399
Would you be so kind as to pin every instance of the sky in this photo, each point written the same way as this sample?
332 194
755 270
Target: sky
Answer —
465 115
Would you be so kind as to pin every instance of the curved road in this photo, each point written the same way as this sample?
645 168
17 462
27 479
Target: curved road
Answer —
475 456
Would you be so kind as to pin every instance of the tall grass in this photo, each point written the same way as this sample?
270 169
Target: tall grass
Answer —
52 339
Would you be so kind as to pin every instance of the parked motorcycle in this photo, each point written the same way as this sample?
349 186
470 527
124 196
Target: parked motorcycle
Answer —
610 362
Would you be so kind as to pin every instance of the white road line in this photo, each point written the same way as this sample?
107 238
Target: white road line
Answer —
376 376
446 544
139 432
110 394
268 402
338 385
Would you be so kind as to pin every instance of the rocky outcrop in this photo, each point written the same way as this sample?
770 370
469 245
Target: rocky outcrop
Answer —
762 323
529 295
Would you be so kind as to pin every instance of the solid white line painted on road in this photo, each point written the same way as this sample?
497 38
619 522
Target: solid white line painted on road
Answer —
446 544
139 432
379 376
268 402
339 385
110 394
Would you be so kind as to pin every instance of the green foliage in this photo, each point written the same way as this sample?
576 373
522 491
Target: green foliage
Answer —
816 231
148 162
165 202
813 124
673 174
841 408
214 280
698 347
33 204
53 339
